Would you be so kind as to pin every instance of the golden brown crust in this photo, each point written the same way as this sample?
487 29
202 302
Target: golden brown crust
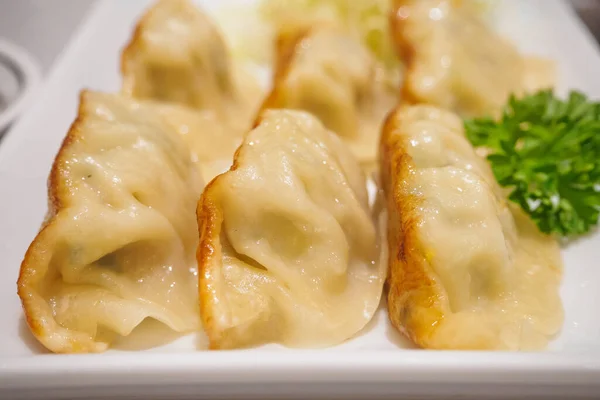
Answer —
405 50
414 296
418 303
128 55
285 48
26 275
210 219
41 248
209 253
397 21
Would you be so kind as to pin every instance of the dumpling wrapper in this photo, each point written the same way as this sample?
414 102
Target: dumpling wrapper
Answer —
289 252
455 61
118 244
177 56
211 142
329 73
467 270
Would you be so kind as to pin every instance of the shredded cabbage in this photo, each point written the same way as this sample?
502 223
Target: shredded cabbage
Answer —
250 29
368 19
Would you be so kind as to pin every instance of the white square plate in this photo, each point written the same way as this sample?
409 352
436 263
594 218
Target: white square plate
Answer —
376 364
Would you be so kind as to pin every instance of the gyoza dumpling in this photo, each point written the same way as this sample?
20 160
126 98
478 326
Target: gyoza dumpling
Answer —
456 62
119 240
330 74
210 141
327 73
288 250
467 270
177 57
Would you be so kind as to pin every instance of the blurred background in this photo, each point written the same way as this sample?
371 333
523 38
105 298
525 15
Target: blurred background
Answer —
40 29
589 11
43 27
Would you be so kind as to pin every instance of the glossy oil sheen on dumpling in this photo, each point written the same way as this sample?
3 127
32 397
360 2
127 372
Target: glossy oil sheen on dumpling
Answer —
210 141
178 57
288 251
467 270
118 244
457 62
327 72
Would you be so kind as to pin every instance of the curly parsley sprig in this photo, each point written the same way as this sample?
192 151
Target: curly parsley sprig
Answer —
547 151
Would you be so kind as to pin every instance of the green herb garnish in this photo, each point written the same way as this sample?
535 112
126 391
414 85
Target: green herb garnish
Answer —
547 150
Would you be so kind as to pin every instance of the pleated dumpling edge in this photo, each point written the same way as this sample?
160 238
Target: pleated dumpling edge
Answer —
119 239
289 252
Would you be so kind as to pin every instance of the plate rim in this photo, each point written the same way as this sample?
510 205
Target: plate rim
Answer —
292 365
27 72
331 365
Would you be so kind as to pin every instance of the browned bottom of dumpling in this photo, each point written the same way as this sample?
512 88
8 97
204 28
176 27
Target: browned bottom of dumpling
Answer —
289 252
467 270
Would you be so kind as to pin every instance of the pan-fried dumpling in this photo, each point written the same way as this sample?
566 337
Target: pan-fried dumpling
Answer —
456 62
327 73
118 244
209 140
467 270
330 74
288 250
177 57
